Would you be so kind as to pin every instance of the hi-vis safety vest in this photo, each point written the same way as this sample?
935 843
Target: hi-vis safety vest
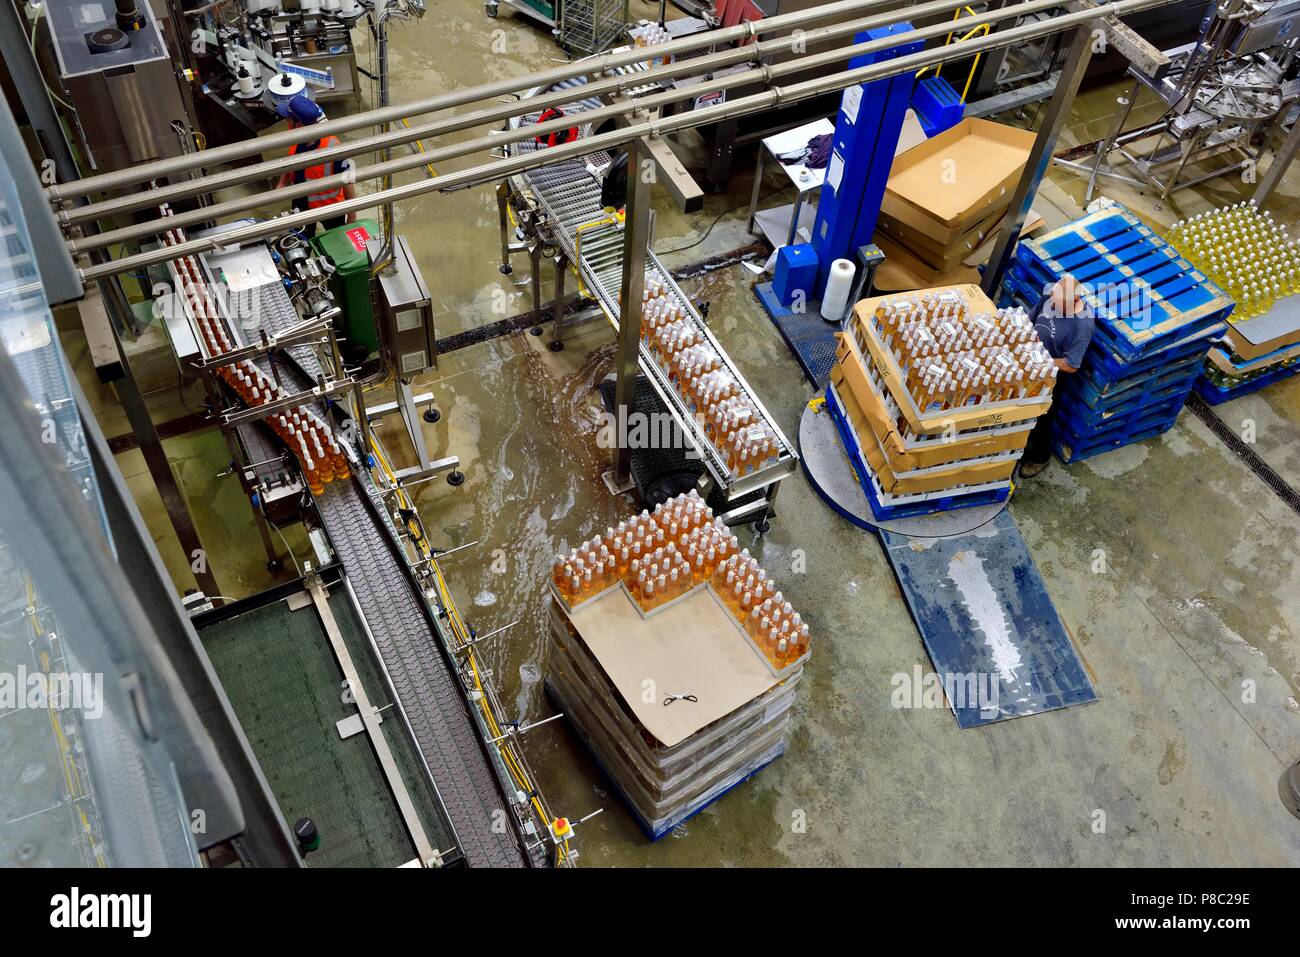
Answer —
326 196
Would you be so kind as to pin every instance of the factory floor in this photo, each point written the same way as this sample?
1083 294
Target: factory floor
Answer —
1189 632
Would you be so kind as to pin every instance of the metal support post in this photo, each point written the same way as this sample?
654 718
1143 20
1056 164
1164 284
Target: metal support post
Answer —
503 213
561 274
1277 168
636 236
535 265
1058 109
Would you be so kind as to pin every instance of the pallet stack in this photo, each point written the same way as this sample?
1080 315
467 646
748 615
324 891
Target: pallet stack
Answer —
1252 259
1156 315
676 697
934 395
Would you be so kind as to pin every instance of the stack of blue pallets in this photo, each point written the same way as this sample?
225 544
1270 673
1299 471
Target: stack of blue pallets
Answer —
1156 316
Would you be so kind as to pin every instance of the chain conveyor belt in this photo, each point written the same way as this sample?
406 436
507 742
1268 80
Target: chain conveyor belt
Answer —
465 775
568 193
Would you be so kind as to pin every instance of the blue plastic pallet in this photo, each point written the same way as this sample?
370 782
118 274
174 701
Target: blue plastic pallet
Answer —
1081 392
1215 394
937 105
1122 432
884 512
1170 299
646 828
1068 453
1103 366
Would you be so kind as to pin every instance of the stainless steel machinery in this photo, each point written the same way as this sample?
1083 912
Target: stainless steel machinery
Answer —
1227 97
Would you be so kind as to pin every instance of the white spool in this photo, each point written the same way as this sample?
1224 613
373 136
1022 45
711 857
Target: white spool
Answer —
284 87
838 289
348 8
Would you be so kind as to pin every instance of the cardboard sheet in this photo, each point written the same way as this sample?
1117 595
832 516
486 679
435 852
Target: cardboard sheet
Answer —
693 647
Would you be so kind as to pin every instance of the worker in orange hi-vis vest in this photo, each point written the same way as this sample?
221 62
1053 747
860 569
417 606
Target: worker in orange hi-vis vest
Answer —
302 110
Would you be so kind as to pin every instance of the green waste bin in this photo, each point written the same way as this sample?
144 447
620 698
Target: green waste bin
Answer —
345 247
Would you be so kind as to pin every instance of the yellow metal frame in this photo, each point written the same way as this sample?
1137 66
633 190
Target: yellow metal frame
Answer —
611 217
982 30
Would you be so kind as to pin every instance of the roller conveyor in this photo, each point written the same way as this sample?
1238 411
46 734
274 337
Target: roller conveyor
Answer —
568 196
465 775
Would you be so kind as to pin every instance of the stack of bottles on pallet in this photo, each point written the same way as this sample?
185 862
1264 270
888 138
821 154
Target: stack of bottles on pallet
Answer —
952 358
1252 259
300 428
662 555
1247 254
700 375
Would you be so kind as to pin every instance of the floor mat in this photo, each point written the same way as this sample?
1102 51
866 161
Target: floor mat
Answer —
998 647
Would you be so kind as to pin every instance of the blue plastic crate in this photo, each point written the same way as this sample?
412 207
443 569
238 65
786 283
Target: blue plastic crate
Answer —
937 105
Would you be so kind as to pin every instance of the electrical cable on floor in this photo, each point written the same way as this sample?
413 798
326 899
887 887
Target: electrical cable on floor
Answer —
292 557
717 219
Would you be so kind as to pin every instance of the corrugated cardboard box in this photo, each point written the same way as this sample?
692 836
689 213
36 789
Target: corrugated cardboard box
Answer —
951 181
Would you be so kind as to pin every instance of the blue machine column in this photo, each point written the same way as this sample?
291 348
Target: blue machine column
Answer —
867 128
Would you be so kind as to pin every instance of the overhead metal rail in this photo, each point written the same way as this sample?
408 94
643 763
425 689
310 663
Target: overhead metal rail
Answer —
589 66
623 81
771 98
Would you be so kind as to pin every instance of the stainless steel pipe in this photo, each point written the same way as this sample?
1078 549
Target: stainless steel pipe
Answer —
586 67
405 135
402 164
744 106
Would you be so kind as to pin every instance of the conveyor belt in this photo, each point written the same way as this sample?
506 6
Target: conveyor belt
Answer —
460 768
569 195
434 706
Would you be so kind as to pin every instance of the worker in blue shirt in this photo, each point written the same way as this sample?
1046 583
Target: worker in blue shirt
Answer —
1064 321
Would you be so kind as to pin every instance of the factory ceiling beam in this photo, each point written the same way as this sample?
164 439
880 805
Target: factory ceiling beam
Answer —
752 53
769 99
590 66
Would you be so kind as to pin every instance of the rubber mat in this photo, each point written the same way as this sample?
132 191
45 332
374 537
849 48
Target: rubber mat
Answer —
810 337
998 647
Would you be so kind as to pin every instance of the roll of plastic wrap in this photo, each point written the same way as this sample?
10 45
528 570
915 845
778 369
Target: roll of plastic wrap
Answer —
838 288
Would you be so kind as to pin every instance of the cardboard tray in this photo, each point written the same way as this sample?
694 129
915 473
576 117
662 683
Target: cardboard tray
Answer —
872 417
952 180
936 423
937 479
